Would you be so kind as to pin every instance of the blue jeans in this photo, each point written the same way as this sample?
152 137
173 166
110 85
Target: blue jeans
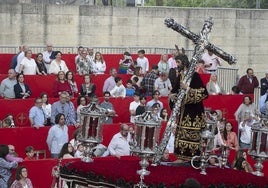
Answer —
55 155
244 145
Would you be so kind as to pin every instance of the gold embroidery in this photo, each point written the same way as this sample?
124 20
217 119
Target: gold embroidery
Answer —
195 95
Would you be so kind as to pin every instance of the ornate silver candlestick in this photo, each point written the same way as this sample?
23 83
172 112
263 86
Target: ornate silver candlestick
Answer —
92 118
258 150
206 146
146 139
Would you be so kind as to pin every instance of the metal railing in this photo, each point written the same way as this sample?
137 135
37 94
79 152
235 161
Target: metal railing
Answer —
104 50
227 77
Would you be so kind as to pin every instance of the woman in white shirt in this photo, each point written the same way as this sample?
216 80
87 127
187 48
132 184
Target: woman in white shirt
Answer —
46 107
58 64
28 65
99 65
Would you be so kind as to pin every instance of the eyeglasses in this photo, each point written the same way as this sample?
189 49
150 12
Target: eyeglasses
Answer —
11 149
60 67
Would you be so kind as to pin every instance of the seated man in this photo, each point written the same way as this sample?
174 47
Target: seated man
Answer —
12 155
109 107
36 115
119 145
7 85
29 150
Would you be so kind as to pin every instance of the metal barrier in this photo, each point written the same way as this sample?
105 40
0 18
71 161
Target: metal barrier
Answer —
257 96
227 77
104 50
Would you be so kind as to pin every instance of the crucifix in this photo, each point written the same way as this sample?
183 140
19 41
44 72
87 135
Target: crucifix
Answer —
201 42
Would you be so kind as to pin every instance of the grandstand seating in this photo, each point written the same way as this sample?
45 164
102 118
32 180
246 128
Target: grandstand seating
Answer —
112 60
23 135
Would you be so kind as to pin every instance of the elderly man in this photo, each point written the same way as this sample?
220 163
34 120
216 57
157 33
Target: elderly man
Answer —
12 155
7 85
48 55
119 145
36 115
163 84
248 82
264 83
64 106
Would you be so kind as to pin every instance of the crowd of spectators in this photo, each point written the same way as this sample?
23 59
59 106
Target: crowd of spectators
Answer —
156 82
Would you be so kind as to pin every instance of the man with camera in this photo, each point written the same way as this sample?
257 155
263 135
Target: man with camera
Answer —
212 62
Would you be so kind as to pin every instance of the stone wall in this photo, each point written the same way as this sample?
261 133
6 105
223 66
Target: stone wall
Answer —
241 32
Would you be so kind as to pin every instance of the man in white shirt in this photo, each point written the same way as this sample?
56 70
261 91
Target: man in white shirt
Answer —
20 57
143 61
119 89
163 84
109 83
133 106
155 99
119 145
212 62
47 55
245 130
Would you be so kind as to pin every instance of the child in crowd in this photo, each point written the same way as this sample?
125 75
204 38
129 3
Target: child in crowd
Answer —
29 150
130 90
135 80
119 89
164 114
6 123
125 63
11 117
132 67
143 61
80 151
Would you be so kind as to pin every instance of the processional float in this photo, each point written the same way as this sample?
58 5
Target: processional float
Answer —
92 118
146 139
201 42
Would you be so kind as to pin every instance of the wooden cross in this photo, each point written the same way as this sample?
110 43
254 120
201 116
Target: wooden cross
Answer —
201 42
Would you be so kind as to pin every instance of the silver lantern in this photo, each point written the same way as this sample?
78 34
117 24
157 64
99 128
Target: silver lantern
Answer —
92 118
259 147
146 139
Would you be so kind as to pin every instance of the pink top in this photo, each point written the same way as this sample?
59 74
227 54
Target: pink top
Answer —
11 158
232 140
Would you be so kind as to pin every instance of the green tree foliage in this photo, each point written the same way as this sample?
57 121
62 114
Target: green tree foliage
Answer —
209 3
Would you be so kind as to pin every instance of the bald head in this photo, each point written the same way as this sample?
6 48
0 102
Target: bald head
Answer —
11 74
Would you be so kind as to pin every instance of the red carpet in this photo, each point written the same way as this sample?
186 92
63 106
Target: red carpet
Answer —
123 173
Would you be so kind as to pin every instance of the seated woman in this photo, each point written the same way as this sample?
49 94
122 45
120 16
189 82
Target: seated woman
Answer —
241 157
229 137
164 114
22 179
60 85
22 90
99 65
125 63
58 64
70 78
87 88
28 65
67 151
40 64
242 165
213 86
